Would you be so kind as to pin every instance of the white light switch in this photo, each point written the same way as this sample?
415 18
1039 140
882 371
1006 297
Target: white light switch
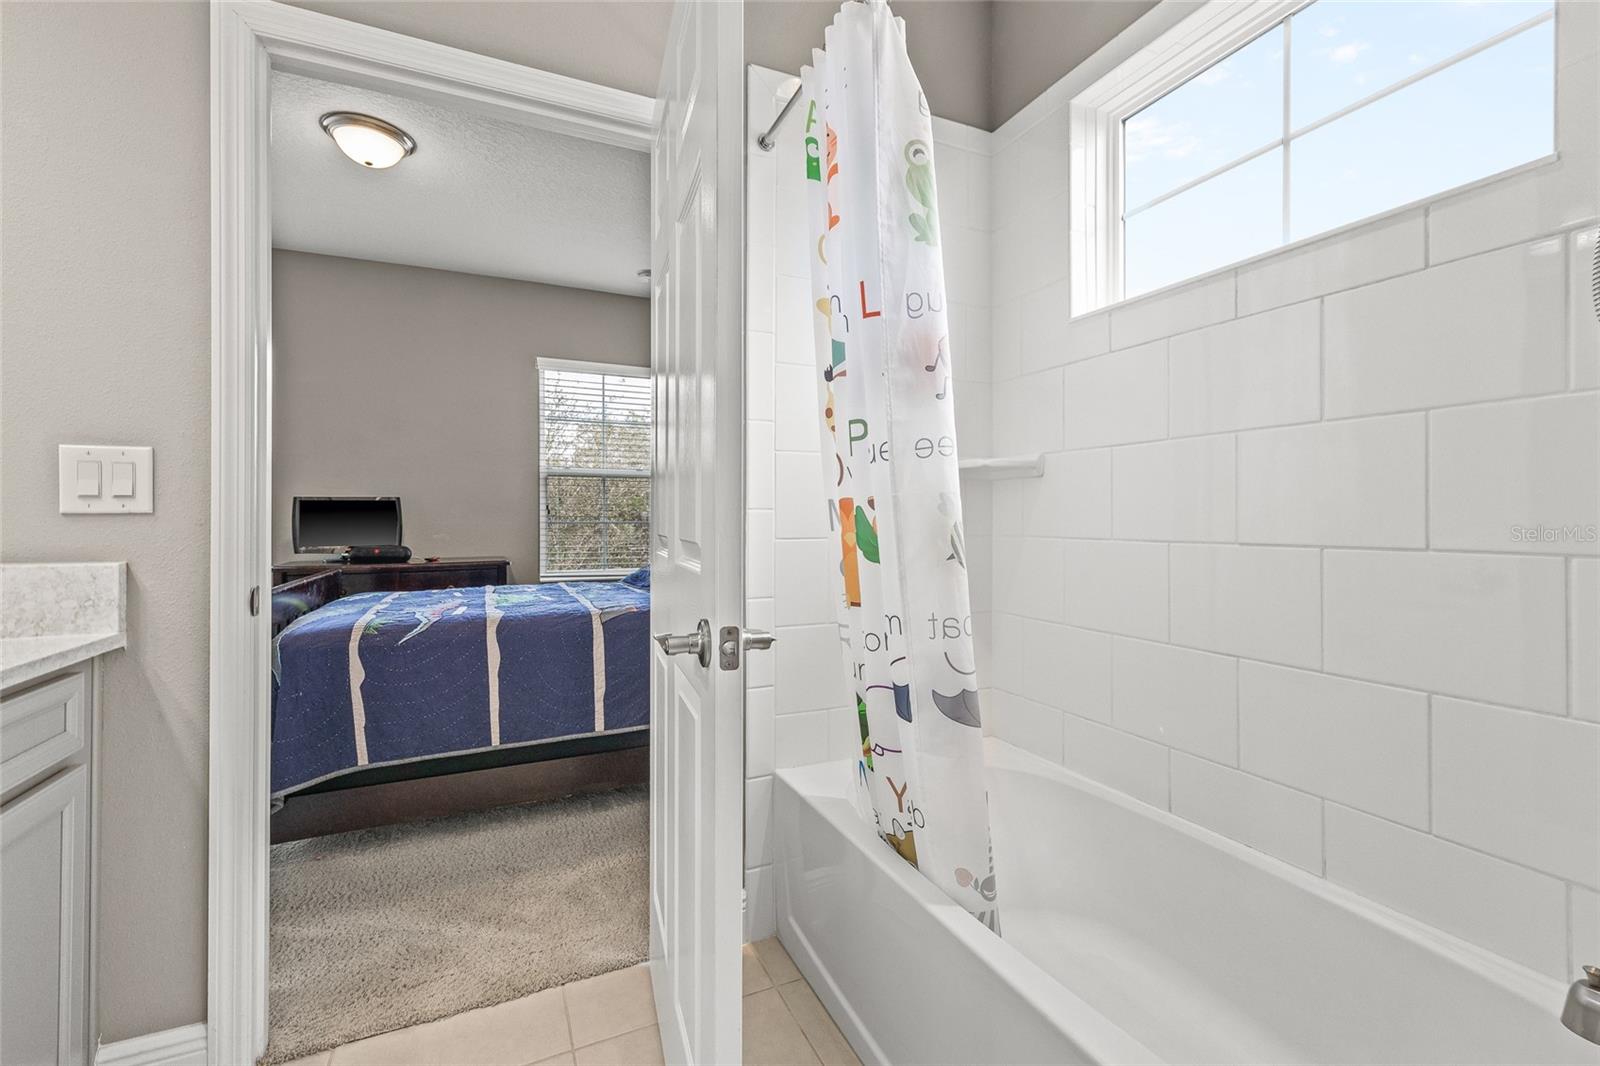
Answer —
97 479
88 477
122 480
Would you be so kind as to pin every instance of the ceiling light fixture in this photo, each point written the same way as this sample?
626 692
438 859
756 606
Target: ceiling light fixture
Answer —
369 141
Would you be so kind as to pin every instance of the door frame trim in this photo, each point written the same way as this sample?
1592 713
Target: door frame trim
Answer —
249 39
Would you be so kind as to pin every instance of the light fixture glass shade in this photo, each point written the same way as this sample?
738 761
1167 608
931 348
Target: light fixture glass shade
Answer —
369 141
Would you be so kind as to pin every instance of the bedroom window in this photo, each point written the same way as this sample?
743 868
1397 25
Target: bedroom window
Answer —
1250 126
594 469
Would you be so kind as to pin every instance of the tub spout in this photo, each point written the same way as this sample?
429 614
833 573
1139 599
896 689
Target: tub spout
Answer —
1582 1012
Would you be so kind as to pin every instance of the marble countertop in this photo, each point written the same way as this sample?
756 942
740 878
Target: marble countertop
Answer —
56 615
25 658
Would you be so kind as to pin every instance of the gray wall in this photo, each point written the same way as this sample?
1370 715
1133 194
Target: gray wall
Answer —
948 41
980 61
105 294
612 42
619 42
1034 44
402 381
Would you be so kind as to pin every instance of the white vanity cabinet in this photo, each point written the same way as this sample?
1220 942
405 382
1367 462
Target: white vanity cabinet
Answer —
46 856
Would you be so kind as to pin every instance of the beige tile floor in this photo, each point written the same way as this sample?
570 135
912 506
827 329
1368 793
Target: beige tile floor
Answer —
610 1021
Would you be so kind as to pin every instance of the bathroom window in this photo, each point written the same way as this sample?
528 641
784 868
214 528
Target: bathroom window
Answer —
594 469
1248 127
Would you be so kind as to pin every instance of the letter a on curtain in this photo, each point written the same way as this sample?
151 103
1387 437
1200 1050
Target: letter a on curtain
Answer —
887 396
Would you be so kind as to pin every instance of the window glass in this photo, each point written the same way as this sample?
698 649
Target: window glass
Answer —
594 471
1479 114
1342 51
1222 113
1232 216
1484 115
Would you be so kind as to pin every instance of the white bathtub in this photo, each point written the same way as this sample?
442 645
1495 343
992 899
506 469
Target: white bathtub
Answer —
1129 936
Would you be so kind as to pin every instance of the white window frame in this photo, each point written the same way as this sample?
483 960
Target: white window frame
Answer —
1206 37
578 366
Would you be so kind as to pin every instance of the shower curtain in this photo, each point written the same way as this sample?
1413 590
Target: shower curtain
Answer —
886 394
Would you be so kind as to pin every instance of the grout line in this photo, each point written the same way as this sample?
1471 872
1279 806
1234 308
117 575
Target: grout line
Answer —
1569 578
1238 728
1304 546
1427 770
1170 750
1322 812
1567 923
1427 478
1560 232
1397 686
1322 359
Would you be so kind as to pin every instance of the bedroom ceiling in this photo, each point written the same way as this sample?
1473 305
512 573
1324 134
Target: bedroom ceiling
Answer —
480 195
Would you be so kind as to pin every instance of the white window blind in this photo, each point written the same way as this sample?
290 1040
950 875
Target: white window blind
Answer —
594 469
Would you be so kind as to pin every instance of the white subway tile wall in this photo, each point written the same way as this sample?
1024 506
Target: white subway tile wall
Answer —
1313 561
1282 822
1356 482
796 705
1327 543
1185 699
1487 327
1583 598
1526 465
1264 370
1509 909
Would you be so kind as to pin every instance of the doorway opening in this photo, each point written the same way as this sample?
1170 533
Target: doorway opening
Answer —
460 591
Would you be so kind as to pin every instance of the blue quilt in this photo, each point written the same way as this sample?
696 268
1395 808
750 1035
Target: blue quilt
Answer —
388 677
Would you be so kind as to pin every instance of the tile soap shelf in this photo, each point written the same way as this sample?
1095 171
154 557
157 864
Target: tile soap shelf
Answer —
1009 466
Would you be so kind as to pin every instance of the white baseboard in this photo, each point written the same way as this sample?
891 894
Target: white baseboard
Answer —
183 1046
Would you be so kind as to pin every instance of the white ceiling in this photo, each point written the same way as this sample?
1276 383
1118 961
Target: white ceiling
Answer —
480 195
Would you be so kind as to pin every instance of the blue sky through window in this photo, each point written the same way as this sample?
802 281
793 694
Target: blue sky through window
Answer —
1237 214
1477 117
1344 50
1226 111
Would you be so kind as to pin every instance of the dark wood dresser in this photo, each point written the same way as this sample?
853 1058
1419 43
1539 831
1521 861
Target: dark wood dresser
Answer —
401 577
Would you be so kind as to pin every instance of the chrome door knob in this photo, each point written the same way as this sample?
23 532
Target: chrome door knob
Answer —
733 641
697 643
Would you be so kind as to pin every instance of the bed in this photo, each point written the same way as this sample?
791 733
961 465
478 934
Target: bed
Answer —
437 677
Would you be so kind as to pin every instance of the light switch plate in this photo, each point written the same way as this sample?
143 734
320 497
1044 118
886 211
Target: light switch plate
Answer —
83 493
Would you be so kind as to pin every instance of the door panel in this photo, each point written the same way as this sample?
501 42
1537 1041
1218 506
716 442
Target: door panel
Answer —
44 920
697 537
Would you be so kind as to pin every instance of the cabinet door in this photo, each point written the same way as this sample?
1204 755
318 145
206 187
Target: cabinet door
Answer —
44 896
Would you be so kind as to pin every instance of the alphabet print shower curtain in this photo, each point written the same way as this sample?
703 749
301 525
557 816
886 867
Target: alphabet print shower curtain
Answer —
889 454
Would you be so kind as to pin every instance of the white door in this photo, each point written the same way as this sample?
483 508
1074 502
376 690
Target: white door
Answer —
697 535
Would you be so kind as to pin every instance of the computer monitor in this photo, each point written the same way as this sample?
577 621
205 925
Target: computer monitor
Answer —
332 525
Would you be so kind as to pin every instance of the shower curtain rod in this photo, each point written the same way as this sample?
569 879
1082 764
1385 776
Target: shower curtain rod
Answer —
765 141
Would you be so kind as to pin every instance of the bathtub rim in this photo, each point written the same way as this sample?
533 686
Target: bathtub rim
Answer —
1099 1037
1511 976
816 783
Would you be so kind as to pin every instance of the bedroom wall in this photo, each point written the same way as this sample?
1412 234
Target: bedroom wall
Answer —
796 706
404 381
1272 579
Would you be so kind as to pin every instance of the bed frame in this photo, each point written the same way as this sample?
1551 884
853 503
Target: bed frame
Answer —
447 784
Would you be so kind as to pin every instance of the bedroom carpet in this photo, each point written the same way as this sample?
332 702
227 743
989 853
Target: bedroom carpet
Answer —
384 928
